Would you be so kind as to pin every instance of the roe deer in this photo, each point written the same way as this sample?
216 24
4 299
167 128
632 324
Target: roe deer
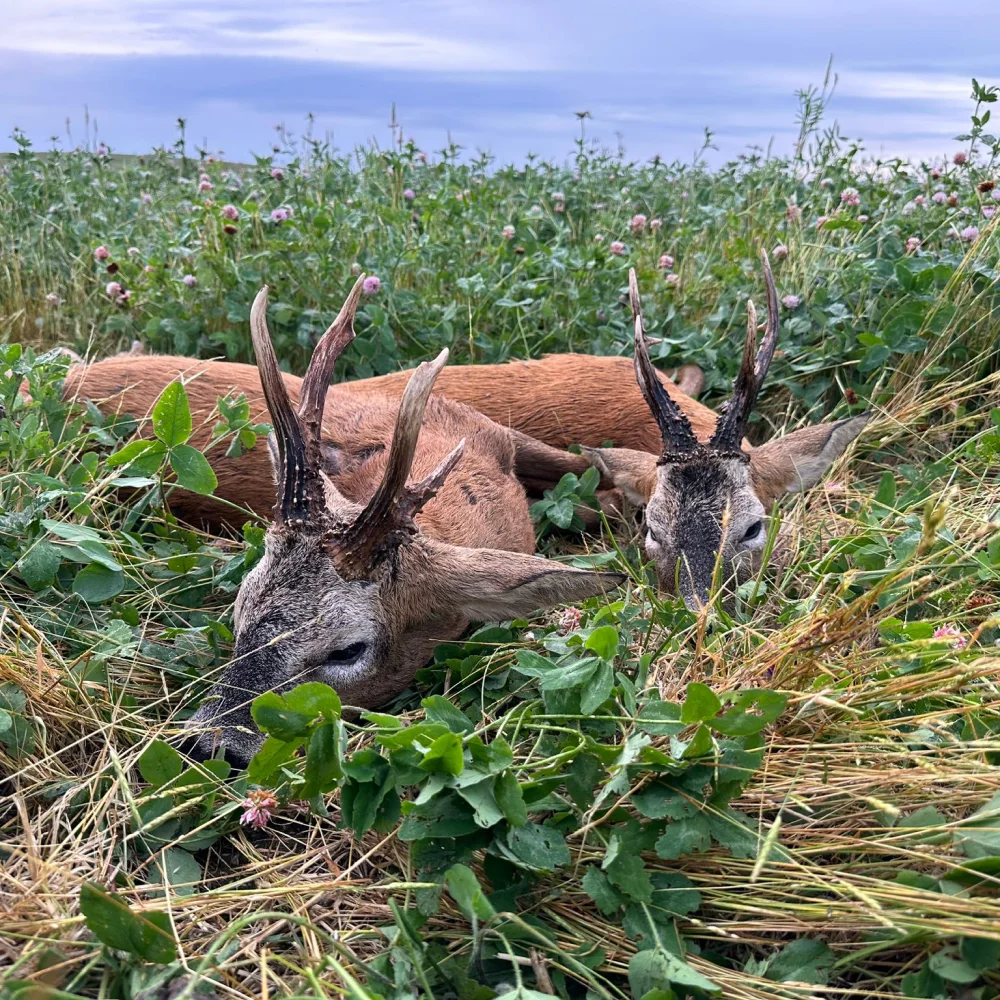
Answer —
362 572
707 491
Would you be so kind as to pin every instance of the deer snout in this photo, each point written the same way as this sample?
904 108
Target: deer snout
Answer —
230 727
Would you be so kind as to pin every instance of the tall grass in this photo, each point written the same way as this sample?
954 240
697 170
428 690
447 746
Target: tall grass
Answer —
845 846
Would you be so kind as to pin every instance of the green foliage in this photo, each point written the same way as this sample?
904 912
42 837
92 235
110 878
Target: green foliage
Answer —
558 507
597 798
147 935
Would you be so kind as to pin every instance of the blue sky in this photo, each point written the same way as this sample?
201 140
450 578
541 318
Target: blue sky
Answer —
502 75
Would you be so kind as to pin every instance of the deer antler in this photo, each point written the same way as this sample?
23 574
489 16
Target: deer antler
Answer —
735 414
293 472
389 516
317 378
678 437
299 437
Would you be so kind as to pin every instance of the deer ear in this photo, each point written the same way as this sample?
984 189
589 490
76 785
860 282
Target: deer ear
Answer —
489 584
798 461
631 471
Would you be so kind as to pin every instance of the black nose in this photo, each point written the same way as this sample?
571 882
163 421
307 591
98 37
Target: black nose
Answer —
200 750
235 758
193 748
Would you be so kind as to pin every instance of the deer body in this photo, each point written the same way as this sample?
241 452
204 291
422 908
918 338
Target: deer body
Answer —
560 400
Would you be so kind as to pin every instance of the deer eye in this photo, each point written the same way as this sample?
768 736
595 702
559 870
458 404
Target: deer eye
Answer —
348 654
752 532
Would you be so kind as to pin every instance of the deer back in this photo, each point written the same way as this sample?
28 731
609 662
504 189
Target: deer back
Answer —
561 399
485 506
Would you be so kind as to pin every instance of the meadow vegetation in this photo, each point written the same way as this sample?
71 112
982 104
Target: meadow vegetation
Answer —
797 795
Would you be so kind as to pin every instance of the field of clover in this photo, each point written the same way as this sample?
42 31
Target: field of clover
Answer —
797 796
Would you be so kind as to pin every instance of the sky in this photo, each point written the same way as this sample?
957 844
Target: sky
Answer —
504 76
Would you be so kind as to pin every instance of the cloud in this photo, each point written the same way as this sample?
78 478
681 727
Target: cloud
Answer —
344 32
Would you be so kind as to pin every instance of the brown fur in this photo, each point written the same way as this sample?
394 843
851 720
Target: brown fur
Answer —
541 399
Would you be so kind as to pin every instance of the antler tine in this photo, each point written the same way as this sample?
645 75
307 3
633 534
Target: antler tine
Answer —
736 412
770 341
393 506
316 382
417 495
678 437
292 497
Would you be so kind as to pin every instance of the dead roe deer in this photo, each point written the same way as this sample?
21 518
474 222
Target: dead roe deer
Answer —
364 573
706 490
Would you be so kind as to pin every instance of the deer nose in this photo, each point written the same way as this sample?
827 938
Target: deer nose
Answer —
237 747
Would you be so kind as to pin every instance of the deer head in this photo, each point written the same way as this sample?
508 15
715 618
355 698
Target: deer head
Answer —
355 595
706 500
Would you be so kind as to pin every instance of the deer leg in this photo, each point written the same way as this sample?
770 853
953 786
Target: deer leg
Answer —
539 466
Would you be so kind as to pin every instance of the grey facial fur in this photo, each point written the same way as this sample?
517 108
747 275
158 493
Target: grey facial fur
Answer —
685 517
286 634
